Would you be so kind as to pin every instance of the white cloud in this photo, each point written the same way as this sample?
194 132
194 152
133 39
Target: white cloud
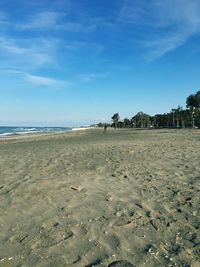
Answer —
24 49
39 80
83 46
11 47
42 20
163 24
85 78
45 81
159 46
48 20
12 71
28 53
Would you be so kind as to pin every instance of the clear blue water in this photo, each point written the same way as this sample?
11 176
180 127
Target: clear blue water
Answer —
6 131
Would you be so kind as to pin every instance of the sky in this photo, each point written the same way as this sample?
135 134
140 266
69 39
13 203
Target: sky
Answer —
75 62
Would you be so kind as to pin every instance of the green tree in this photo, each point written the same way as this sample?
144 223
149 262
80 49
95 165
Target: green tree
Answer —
185 117
115 118
193 103
127 123
176 117
173 116
141 120
161 120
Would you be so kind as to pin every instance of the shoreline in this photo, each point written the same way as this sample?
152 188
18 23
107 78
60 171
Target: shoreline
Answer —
41 134
83 129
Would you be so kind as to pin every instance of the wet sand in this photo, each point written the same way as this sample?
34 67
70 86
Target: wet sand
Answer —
124 198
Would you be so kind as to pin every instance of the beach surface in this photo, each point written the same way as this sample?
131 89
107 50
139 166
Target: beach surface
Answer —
88 198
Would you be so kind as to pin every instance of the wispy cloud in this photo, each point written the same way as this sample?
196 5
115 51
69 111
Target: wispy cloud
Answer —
11 47
28 53
159 46
83 46
55 21
90 77
42 20
45 81
11 71
49 41
166 24
38 80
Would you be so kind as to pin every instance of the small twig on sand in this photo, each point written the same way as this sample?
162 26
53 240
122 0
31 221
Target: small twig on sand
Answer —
76 188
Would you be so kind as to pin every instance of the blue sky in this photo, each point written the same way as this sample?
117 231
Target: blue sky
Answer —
75 62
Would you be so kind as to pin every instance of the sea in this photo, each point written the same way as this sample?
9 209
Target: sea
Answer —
7 131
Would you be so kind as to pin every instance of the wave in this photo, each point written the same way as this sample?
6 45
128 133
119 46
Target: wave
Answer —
6 131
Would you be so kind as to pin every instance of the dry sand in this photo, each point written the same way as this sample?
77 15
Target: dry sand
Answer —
124 198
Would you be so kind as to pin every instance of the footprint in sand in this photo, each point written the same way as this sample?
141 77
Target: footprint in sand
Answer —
123 219
121 263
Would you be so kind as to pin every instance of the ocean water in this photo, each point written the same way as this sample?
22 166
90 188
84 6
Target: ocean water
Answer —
6 131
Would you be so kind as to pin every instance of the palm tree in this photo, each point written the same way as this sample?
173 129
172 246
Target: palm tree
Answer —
173 119
177 113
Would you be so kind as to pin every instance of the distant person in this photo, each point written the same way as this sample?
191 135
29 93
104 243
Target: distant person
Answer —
105 128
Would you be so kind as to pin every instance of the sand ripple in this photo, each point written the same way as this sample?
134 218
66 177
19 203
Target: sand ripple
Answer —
125 198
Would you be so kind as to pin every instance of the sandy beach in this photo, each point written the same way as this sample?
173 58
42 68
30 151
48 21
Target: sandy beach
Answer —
87 198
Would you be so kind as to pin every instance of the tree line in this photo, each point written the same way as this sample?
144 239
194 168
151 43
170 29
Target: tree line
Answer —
176 118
